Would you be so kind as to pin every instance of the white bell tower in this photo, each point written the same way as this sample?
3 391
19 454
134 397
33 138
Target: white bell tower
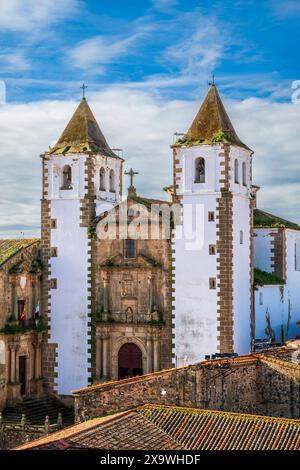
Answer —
212 279
81 178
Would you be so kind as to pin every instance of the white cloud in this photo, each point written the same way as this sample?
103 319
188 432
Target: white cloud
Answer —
142 123
29 15
14 62
95 53
201 44
99 51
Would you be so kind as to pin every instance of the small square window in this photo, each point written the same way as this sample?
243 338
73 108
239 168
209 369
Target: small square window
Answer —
53 252
53 283
212 282
212 249
53 223
211 217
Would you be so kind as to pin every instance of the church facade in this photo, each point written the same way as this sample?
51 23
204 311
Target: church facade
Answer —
122 285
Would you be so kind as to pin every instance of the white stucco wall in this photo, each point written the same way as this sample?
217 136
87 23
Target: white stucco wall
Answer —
270 298
241 274
69 301
283 303
262 249
195 304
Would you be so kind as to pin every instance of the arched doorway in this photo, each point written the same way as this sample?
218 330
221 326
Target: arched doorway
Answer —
130 361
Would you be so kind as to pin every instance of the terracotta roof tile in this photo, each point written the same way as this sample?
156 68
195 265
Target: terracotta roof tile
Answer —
157 427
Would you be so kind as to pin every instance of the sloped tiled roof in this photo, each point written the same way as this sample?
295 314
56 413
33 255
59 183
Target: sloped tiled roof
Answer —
216 430
211 124
265 219
127 431
82 134
157 427
8 248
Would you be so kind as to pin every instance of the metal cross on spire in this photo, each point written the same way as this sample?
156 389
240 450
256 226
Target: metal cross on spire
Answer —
83 87
212 81
131 173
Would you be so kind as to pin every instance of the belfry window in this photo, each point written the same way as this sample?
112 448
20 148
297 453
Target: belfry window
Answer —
66 177
112 181
200 170
102 180
244 175
129 248
236 171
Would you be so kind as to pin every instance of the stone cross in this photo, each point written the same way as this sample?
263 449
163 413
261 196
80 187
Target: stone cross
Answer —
131 173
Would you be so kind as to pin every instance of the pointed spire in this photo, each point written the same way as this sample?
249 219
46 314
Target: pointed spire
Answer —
82 134
211 124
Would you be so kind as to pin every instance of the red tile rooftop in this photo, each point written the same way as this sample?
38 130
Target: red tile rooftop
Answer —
155 427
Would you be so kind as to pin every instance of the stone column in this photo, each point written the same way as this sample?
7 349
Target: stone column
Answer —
105 298
98 356
105 356
150 294
16 366
37 361
10 364
29 307
156 365
149 354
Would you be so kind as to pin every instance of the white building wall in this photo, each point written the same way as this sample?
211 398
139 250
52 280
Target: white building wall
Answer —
241 275
69 301
262 249
241 250
282 302
272 299
195 305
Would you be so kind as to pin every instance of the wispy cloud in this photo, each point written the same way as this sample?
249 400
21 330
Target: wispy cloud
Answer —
12 62
286 9
94 54
29 15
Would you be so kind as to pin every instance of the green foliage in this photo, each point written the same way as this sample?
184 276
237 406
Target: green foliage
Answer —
91 231
264 219
262 278
220 137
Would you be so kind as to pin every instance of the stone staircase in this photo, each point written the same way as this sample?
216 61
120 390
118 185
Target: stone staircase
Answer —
36 410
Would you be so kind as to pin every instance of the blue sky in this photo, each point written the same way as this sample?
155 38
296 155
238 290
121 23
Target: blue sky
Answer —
146 64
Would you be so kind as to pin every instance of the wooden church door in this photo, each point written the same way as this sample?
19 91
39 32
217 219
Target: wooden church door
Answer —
130 361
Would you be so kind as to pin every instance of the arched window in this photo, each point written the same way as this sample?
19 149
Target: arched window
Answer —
102 179
66 177
130 361
236 171
244 175
112 181
200 170
241 237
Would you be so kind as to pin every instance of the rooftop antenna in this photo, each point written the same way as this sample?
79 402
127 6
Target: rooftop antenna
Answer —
83 87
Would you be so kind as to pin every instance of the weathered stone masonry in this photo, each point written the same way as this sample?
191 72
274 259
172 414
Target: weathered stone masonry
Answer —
257 384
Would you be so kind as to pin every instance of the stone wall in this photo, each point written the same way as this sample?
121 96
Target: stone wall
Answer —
249 384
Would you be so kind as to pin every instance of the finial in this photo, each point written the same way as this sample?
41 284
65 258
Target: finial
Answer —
83 87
